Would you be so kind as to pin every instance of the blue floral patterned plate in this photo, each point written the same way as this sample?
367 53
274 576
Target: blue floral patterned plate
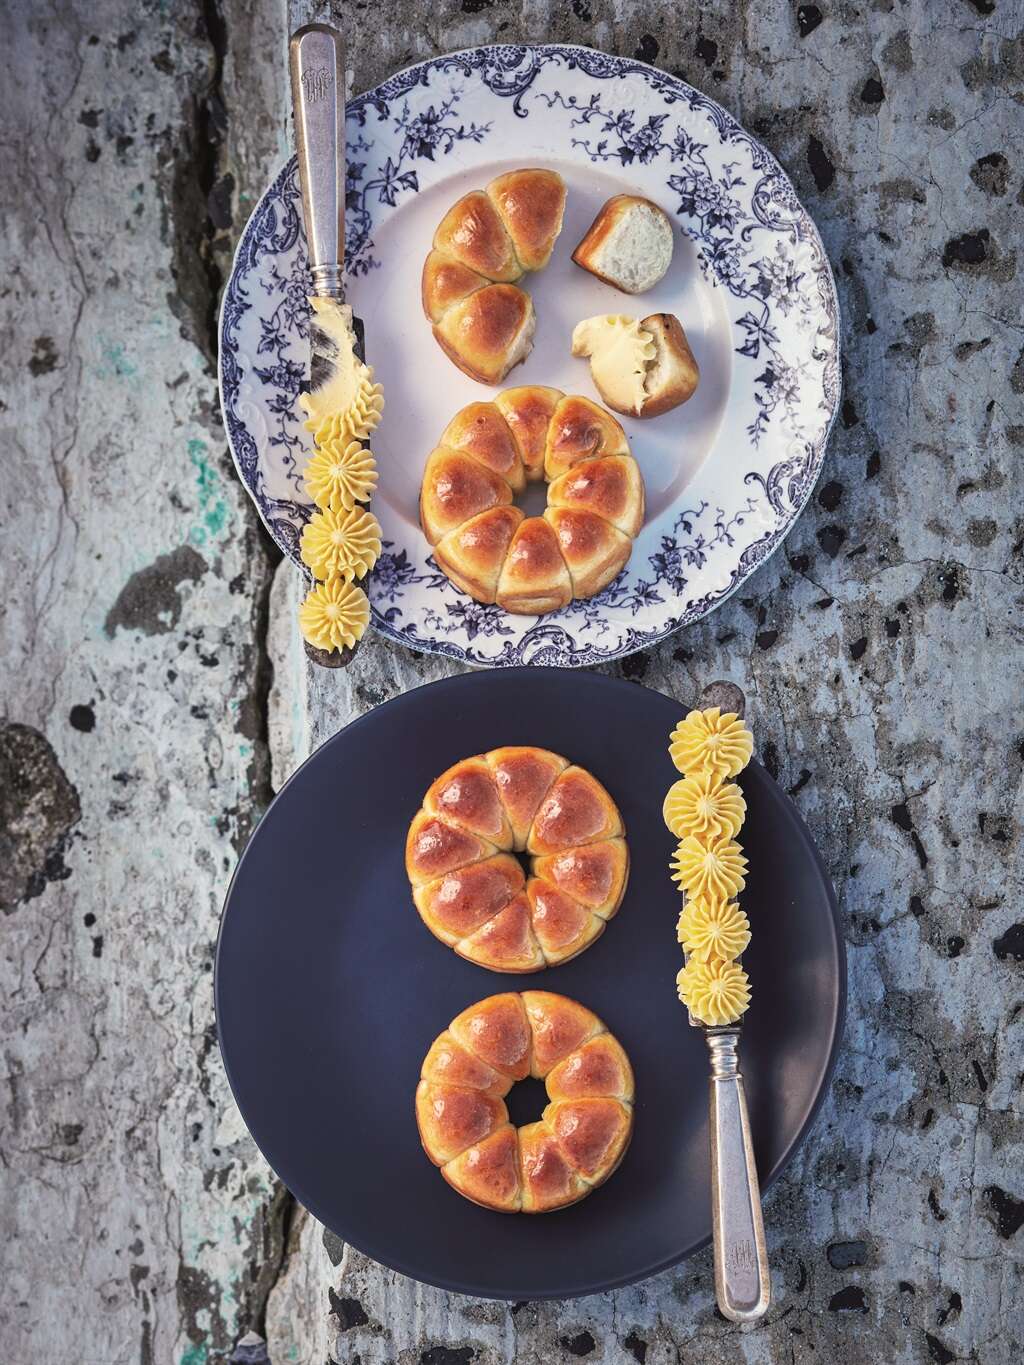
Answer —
727 474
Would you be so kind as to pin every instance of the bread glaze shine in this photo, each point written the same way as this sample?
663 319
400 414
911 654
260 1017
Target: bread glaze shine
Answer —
471 892
463 1120
486 456
486 242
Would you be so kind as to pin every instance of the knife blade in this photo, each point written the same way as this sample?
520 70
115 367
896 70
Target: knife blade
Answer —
316 61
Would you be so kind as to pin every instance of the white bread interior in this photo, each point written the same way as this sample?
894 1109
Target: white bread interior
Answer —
635 251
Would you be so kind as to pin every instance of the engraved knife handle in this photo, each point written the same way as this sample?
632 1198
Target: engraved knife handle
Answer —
316 59
742 1282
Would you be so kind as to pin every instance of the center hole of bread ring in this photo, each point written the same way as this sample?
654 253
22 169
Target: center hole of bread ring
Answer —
533 499
526 1101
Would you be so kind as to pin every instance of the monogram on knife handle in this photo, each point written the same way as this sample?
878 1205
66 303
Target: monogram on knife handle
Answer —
317 63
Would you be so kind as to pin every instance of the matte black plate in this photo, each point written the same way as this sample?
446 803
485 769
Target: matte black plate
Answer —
330 990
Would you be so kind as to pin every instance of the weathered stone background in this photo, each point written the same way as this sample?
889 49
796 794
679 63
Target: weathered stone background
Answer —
140 737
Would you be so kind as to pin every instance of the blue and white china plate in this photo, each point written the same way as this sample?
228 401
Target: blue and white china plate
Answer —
727 474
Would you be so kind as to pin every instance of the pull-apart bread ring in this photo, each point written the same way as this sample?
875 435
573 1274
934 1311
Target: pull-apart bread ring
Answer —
487 454
486 242
463 1120
471 892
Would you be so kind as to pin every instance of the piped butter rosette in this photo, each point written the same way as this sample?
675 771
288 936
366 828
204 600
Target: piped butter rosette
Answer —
705 811
340 474
710 929
342 543
342 540
344 403
717 993
359 418
712 867
704 805
334 615
708 741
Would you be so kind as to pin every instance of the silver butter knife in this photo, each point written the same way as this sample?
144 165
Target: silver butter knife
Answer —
742 1280
316 60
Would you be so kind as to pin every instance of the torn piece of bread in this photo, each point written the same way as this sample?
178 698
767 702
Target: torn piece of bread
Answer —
674 375
620 352
640 368
628 245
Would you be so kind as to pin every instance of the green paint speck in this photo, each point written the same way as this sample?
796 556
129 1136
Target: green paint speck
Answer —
211 505
115 364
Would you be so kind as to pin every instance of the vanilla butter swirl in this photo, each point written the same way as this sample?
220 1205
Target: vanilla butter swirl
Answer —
715 992
342 543
334 615
621 353
342 540
708 741
705 812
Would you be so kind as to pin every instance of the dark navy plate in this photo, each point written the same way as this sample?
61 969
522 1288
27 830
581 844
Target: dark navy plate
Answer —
330 990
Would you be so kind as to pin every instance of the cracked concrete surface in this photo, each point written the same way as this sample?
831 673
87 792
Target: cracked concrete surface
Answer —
139 736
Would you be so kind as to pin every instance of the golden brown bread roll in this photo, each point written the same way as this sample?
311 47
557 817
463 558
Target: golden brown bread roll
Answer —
610 487
481 431
458 903
473 555
459 488
577 810
463 1120
598 1067
489 239
472 894
445 282
449 1063
506 943
466 795
528 411
488 1173
488 332
487 454
523 776
563 927
534 578
580 430
498 1032
548 1181
559 1026
434 848
531 204
592 1133
593 549
472 233
593 874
